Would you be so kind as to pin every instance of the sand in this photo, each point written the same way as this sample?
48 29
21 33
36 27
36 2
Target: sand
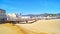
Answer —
38 27
9 29
42 27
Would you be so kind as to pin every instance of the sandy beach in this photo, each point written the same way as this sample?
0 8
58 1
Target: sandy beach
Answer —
42 26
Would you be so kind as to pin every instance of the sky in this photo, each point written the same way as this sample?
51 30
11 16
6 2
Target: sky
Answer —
30 6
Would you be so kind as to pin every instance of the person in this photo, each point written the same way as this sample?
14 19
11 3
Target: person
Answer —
26 21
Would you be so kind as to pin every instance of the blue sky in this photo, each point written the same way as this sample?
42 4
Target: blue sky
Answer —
30 6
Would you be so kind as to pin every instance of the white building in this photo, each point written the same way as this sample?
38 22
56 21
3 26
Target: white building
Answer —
11 17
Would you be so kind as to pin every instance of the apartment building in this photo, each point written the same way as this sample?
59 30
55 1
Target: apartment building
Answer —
3 14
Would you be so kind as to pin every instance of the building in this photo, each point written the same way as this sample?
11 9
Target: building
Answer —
3 15
11 17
